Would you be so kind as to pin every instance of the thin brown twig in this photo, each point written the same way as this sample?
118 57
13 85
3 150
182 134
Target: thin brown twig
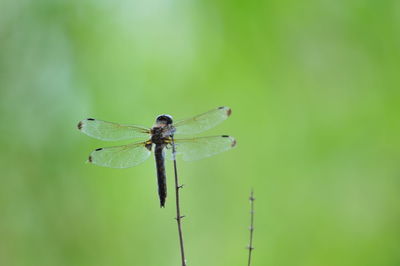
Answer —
178 210
251 247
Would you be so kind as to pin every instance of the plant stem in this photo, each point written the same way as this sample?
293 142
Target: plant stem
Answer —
250 247
178 210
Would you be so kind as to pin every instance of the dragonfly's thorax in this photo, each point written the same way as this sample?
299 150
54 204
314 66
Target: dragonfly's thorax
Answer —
162 130
161 134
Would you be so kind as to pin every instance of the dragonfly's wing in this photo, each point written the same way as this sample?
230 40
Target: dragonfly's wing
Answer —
197 148
120 156
109 131
202 122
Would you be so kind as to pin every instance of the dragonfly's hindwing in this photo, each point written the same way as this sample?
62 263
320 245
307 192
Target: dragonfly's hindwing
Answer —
120 156
192 149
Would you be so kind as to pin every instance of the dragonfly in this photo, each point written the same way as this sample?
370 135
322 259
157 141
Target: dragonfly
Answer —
161 139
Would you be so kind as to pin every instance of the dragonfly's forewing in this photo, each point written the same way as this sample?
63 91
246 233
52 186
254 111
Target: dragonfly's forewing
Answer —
192 149
202 122
111 131
120 156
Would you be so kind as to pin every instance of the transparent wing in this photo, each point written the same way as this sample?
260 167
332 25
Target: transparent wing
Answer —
198 148
120 156
109 131
202 122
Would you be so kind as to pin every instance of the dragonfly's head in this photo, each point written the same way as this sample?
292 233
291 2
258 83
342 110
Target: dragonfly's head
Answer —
164 120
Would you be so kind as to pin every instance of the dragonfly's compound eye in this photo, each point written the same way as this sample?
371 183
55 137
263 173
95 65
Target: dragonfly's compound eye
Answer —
164 119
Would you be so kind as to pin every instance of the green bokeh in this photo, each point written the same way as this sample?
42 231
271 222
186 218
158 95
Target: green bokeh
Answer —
314 89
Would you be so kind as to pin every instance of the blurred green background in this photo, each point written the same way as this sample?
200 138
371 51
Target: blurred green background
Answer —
314 89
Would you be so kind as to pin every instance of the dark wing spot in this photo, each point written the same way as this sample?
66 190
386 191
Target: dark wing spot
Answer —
90 159
91 119
221 107
229 112
98 149
233 143
80 125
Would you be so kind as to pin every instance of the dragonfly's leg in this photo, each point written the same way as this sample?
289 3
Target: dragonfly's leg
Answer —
148 144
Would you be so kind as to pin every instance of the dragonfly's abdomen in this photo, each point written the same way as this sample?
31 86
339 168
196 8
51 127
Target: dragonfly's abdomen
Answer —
161 177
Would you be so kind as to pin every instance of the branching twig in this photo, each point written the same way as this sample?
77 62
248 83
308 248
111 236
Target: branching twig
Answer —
251 247
178 210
